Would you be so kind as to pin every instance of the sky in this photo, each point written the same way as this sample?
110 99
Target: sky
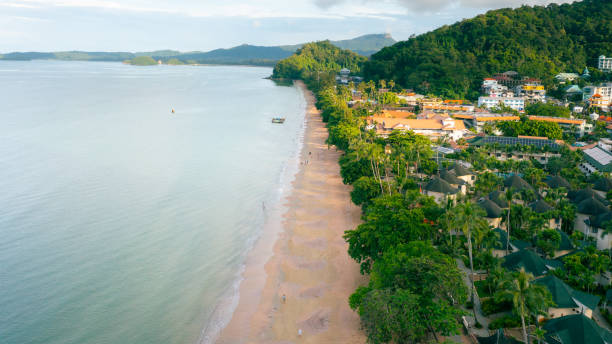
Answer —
202 25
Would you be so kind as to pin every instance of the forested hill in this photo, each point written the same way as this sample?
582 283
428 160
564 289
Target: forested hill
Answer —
535 41
319 57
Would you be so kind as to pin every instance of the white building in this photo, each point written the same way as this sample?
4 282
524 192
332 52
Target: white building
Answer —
492 88
531 91
604 63
515 103
563 77
598 96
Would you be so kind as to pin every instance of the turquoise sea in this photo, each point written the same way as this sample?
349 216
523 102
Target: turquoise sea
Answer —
121 222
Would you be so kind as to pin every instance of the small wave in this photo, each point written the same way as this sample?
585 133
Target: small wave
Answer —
224 310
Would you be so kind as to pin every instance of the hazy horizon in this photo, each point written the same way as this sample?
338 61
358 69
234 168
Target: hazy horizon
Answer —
191 25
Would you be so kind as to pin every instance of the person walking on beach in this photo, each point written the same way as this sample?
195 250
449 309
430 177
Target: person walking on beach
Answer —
284 298
299 332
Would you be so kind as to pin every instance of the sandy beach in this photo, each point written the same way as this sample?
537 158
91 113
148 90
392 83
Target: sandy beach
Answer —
304 258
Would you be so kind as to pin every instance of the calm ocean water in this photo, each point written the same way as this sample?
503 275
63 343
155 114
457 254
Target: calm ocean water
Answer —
123 223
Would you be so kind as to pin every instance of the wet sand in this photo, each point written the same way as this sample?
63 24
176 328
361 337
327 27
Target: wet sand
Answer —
303 258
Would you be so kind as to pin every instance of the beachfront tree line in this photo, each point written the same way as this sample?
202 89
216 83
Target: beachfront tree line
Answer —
412 248
407 243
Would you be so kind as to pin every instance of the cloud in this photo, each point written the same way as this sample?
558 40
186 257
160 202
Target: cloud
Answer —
420 6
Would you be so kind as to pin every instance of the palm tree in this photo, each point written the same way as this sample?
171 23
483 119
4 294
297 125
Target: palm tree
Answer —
527 298
495 277
509 196
471 219
448 220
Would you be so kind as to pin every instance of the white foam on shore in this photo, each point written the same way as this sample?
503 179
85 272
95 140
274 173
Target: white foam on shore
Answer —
272 217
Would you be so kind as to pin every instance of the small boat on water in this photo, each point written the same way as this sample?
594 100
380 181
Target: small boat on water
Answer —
278 120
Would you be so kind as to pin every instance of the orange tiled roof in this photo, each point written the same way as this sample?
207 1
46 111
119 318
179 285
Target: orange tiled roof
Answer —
463 116
396 114
556 120
532 137
424 124
498 118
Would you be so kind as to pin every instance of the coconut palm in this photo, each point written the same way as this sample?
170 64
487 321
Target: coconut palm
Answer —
527 299
471 219
509 196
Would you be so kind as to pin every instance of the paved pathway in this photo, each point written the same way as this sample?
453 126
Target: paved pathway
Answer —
484 321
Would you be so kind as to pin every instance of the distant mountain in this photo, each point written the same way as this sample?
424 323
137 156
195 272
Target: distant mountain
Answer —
363 45
535 41
243 54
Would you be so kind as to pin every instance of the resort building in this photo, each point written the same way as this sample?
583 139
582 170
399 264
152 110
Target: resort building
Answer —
410 98
599 231
568 301
440 190
596 159
518 148
527 260
556 182
575 329
492 88
533 92
433 128
493 212
602 186
542 208
604 63
569 125
598 96
591 216
463 173
478 120
509 79
453 180
447 106
515 103
423 102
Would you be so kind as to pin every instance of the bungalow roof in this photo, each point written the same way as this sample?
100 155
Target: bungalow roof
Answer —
439 185
577 196
517 183
556 182
603 184
599 221
526 259
493 210
451 178
591 206
497 197
540 206
564 296
576 329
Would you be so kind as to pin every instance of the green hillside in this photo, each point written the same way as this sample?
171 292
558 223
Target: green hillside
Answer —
316 58
535 41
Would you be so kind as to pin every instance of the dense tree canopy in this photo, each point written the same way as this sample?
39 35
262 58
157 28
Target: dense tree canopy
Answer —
317 57
535 41
550 130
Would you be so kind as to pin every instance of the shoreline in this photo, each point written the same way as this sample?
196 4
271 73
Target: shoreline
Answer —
302 256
